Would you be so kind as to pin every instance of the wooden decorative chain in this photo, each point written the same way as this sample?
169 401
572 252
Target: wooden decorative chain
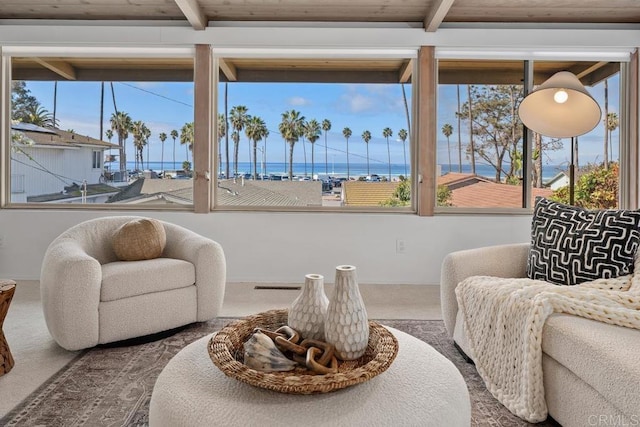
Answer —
317 356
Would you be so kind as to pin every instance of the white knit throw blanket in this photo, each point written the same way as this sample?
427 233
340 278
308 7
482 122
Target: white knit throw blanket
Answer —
503 321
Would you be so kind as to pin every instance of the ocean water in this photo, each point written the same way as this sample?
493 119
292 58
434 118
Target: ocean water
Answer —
338 169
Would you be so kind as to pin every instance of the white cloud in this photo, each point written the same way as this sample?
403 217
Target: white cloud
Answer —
358 103
298 101
372 99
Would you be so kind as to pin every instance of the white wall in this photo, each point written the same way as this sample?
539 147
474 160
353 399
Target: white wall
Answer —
283 247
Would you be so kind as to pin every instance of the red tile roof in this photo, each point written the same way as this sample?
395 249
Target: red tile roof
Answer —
468 190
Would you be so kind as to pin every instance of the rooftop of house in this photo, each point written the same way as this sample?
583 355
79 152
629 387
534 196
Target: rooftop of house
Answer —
45 136
469 190
74 191
230 193
363 193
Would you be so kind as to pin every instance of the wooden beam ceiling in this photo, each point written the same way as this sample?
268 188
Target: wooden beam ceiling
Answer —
585 71
193 12
601 74
430 13
406 71
436 14
61 68
228 69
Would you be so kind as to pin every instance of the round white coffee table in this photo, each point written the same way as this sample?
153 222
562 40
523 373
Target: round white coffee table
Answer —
421 387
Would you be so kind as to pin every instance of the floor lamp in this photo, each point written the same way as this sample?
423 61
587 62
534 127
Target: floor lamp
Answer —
561 107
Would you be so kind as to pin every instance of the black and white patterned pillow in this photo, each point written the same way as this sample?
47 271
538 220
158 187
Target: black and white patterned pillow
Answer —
571 245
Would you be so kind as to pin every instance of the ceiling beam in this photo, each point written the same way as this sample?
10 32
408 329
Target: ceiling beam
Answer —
108 74
601 74
61 68
405 71
228 69
436 14
316 76
194 14
585 72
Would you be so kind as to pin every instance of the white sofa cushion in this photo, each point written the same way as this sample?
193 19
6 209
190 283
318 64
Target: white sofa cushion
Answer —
146 314
124 279
604 356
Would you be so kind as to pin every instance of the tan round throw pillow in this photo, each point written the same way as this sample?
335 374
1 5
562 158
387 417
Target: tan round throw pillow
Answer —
139 239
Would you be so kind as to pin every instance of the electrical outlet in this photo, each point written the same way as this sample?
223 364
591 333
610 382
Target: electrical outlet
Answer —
400 246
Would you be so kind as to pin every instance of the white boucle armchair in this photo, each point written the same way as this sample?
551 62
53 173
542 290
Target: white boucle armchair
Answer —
89 297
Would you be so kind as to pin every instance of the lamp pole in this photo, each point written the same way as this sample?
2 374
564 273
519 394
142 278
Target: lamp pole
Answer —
572 172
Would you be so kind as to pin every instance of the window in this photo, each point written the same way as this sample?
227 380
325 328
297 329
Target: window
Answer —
133 117
481 156
314 133
97 160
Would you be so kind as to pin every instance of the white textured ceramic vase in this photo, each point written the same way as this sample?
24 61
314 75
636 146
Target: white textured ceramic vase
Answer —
308 311
347 325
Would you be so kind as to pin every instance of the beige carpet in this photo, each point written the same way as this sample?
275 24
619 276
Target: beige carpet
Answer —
112 386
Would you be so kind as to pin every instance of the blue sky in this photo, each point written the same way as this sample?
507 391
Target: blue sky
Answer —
165 106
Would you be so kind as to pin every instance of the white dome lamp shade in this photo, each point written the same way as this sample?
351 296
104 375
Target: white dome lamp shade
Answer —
560 107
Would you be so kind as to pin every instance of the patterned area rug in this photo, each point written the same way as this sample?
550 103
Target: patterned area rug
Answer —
112 386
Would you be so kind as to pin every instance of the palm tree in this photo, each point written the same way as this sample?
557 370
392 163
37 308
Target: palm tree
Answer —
239 119
146 134
472 147
447 131
606 124
255 130
174 135
304 145
612 124
121 124
40 116
235 137
387 132
222 132
266 135
290 128
163 138
346 132
326 127
459 136
186 138
109 135
366 137
135 131
140 135
226 127
402 134
312 132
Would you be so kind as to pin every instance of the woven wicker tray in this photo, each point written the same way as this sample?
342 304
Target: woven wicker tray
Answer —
226 352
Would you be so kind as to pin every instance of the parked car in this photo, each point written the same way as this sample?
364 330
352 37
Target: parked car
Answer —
177 174
337 182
